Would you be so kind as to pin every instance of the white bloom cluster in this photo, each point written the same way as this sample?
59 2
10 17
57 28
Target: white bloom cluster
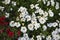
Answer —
54 24
34 6
13 24
24 14
25 37
55 34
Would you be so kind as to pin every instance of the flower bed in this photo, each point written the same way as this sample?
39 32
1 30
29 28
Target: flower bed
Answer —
29 20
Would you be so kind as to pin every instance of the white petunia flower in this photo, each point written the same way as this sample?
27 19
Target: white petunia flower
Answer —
30 27
59 14
59 30
44 27
32 38
18 24
23 38
48 3
57 5
44 1
52 3
57 21
39 37
49 24
32 6
17 19
51 14
28 17
25 35
41 12
6 1
37 25
22 9
7 15
56 37
23 19
36 6
34 20
45 14
54 33
23 29
12 24
1 8
49 38
42 20
55 24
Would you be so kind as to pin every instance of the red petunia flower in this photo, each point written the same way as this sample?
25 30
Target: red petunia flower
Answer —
19 33
7 30
2 21
11 34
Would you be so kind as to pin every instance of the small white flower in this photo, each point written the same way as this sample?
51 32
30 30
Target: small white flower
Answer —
23 38
17 19
49 24
42 20
57 5
23 19
59 14
14 3
44 27
30 27
48 3
57 21
32 6
52 3
51 14
7 15
48 38
22 9
18 24
54 33
25 35
55 24
12 24
34 20
37 25
1 8
23 29
56 37
59 30
6 1
44 1
41 12
32 38
45 14
39 37
28 17
36 6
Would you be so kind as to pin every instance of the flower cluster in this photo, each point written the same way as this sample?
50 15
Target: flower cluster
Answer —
30 20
